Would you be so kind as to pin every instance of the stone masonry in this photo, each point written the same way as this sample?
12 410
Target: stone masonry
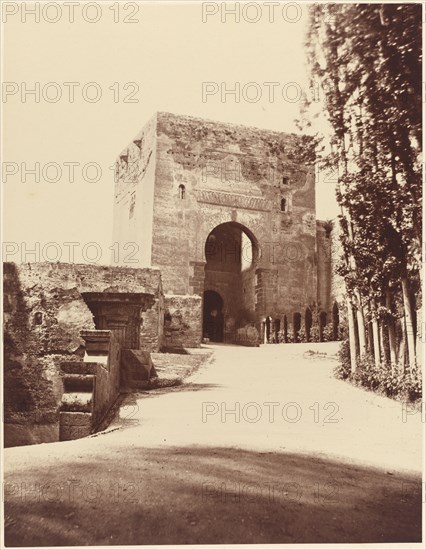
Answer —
55 345
185 182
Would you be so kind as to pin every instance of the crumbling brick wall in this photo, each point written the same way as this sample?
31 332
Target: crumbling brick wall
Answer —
44 312
182 321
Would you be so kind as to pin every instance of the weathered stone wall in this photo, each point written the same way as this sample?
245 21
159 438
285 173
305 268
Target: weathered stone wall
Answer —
107 385
182 321
134 196
151 336
42 322
44 313
234 173
209 173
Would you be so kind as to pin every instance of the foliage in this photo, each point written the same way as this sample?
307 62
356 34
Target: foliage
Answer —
327 333
342 370
301 335
413 385
281 337
370 76
381 379
315 334
290 337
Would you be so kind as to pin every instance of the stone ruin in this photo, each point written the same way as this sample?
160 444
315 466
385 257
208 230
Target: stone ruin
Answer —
222 219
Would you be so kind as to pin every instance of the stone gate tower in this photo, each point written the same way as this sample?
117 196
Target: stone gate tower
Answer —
227 213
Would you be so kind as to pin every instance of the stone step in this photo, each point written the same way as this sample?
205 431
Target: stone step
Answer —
78 367
73 425
78 382
77 402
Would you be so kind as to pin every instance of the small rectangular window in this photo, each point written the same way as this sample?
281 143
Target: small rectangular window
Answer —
38 318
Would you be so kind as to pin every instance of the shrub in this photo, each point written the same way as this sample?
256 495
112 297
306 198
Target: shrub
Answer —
327 333
366 374
380 378
315 334
391 383
281 337
301 335
343 368
412 389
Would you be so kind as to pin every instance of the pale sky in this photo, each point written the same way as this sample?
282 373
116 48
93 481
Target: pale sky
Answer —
168 53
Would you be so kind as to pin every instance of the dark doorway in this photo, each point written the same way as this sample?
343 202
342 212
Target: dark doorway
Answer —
231 256
213 316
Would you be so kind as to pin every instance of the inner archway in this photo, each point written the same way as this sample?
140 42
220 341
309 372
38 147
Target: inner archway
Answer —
213 316
231 253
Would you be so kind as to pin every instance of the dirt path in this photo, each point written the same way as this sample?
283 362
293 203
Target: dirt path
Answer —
260 446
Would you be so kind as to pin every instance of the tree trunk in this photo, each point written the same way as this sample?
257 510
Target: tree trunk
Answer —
383 348
351 330
391 333
376 343
392 344
361 325
409 327
402 347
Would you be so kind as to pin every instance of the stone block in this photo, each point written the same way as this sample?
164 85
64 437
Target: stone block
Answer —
74 425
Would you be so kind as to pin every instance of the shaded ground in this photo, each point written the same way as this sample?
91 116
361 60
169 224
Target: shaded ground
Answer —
173 368
177 467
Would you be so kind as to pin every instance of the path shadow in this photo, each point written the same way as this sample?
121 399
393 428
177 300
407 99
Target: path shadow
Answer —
208 495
